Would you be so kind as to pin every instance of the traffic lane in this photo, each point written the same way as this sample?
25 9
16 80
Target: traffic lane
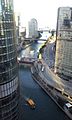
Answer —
49 55
46 75
52 78
56 81
51 52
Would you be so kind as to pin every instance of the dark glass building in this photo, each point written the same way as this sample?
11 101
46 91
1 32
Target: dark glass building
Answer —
9 87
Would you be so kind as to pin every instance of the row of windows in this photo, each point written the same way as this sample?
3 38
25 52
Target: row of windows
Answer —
4 15
6 33
7 56
9 105
8 85
3 42
4 77
6 101
65 71
8 25
6 71
5 66
6 21
7 5
6 29
8 40
8 65
2 38
7 49
9 114
8 88
7 17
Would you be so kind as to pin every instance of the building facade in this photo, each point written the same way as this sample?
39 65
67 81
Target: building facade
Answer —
63 59
33 28
9 87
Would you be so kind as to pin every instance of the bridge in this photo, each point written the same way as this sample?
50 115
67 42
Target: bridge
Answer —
43 31
40 39
25 60
34 39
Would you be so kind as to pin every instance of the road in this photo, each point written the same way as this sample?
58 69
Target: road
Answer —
48 54
47 74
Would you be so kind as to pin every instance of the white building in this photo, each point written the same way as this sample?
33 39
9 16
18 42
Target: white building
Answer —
63 59
33 28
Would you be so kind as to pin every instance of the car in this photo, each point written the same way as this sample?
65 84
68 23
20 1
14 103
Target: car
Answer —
42 68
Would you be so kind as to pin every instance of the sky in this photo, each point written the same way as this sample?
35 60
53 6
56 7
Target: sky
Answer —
44 11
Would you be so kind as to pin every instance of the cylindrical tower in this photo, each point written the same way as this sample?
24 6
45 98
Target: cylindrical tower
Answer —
8 66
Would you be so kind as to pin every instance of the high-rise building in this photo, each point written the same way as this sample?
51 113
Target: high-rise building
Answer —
9 87
63 59
33 28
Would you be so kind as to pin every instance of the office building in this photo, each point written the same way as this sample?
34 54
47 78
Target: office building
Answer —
63 59
9 87
33 28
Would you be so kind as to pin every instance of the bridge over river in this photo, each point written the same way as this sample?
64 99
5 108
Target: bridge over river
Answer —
26 60
34 39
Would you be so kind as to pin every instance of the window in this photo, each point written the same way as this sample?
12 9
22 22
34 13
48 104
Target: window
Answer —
4 57
0 50
8 25
8 33
66 22
4 50
8 17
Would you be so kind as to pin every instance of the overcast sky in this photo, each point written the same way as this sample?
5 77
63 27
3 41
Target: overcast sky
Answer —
45 11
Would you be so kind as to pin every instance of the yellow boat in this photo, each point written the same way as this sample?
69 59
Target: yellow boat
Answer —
31 103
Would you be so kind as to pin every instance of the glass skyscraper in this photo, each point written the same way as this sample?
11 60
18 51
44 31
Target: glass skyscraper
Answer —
9 87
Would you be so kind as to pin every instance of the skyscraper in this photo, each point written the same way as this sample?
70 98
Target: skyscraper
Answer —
63 60
9 91
33 28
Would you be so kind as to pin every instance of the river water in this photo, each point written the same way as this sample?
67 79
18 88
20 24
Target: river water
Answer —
45 109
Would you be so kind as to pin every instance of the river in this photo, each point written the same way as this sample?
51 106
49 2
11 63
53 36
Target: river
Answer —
45 109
